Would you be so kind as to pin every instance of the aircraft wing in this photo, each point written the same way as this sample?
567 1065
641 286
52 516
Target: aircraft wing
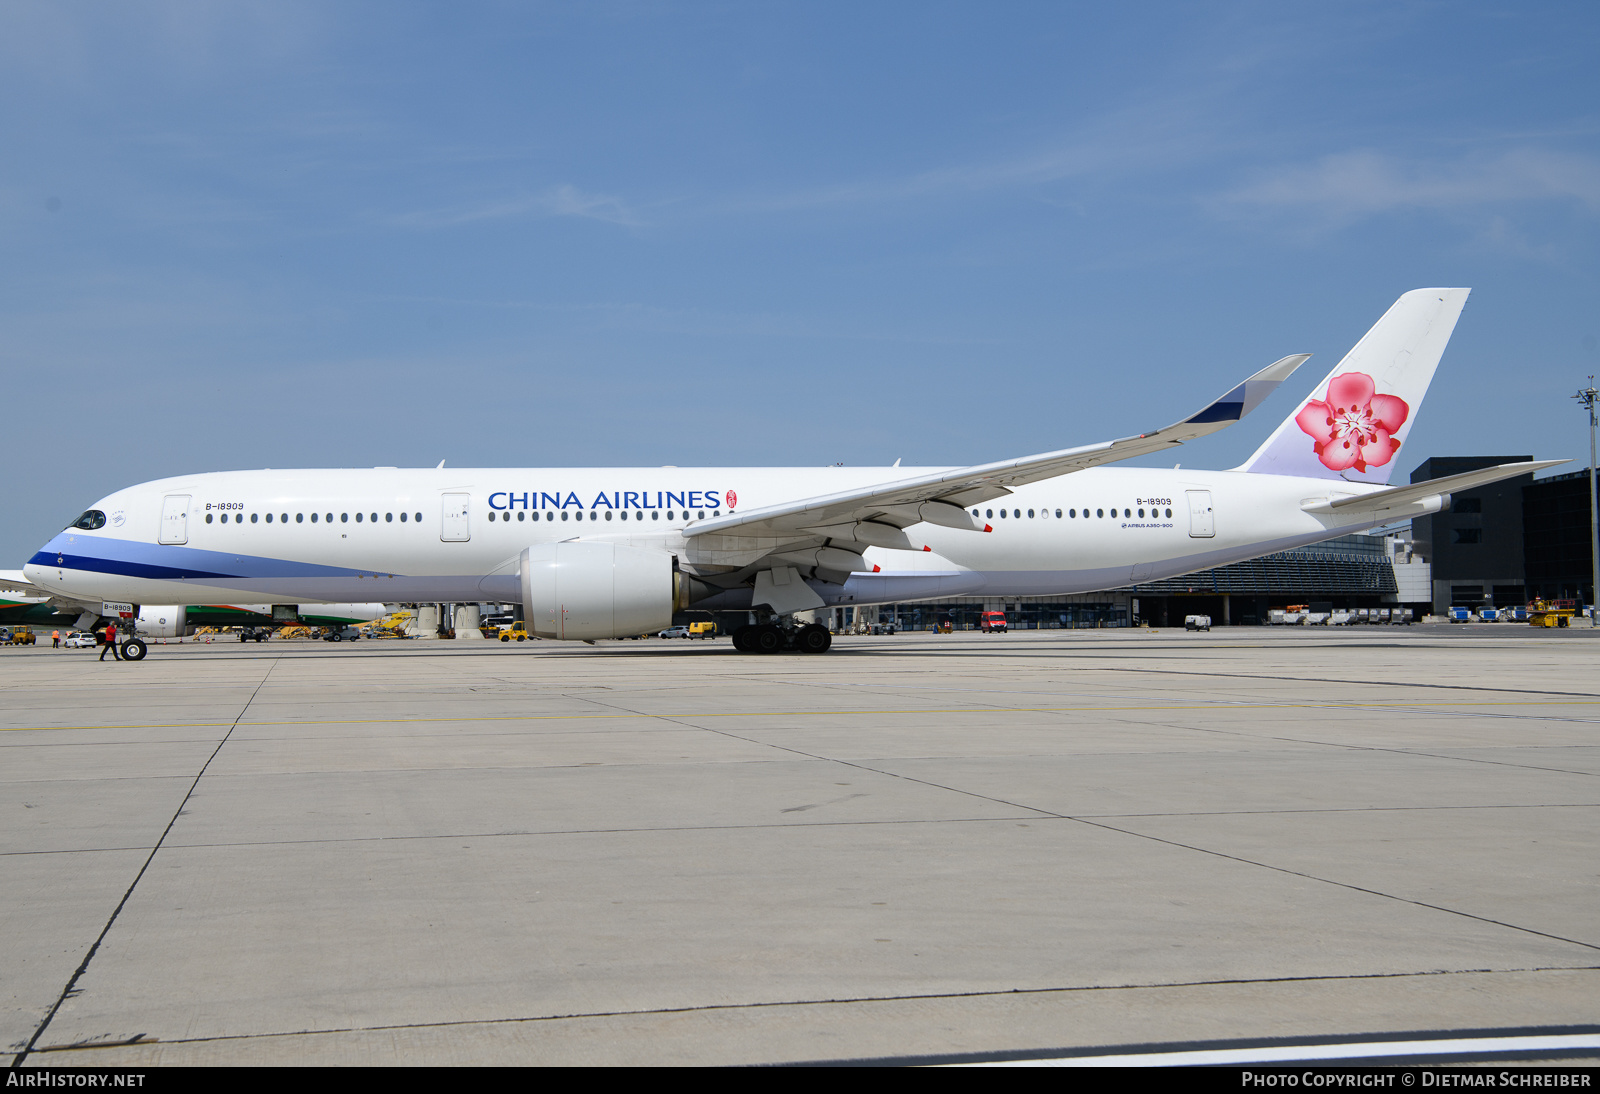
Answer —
12 581
943 497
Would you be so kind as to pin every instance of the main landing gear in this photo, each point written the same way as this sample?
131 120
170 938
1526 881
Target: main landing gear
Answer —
778 638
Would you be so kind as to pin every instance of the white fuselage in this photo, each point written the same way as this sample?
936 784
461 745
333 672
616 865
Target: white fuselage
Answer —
427 535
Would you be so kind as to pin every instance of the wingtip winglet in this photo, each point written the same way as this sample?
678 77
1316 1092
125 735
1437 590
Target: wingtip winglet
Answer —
1247 396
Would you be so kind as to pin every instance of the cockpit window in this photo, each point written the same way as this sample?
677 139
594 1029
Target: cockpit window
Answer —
91 520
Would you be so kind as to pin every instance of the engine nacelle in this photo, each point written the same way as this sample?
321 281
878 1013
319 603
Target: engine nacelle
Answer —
163 621
587 590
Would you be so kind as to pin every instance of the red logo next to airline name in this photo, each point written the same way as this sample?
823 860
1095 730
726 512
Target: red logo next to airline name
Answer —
733 499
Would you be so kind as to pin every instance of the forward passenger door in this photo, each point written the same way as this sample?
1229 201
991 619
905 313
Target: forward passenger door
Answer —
455 525
174 519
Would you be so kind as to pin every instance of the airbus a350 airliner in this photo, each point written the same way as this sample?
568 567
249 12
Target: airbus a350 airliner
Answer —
611 552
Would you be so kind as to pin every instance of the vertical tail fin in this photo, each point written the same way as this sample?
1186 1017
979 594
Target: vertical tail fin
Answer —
1355 421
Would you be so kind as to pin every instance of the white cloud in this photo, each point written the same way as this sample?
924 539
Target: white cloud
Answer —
1351 186
557 201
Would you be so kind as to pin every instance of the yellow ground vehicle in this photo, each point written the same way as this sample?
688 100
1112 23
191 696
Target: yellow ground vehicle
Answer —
703 629
22 636
392 625
1552 613
517 630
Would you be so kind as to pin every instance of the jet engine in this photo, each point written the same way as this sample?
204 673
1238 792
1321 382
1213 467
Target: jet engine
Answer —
590 589
163 621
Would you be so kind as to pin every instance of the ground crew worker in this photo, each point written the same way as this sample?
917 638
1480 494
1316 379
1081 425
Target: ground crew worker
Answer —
111 643
55 640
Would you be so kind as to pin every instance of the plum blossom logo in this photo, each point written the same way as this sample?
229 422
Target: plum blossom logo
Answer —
733 499
1356 426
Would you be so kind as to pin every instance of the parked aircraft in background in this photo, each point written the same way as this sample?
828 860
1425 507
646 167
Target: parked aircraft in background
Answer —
23 602
611 552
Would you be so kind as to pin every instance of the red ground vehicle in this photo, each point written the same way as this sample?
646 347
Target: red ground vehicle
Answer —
993 622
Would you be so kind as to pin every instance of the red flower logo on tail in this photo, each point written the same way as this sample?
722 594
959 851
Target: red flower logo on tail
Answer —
1356 426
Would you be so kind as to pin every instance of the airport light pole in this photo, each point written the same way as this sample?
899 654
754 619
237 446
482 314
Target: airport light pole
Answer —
1586 396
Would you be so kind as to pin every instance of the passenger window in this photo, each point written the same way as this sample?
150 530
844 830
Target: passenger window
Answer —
521 515
419 518
358 518
330 518
563 514
1073 513
1141 512
656 515
608 514
1058 514
284 519
344 518
374 518
974 512
1017 513
300 518
313 518
701 514
1030 514
402 518
1002 514
990 512
1098 512
208 518
269 518
1169 512
549 516
389 517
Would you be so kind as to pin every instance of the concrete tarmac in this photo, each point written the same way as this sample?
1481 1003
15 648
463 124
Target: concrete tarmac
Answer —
665 852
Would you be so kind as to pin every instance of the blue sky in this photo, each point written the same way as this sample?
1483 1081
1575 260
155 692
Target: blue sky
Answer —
286 234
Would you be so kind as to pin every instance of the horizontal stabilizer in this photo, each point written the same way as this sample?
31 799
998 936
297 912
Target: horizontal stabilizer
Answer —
1417 491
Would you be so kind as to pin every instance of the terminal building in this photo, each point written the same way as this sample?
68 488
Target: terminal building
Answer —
1358 571
1504 544
1475 546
